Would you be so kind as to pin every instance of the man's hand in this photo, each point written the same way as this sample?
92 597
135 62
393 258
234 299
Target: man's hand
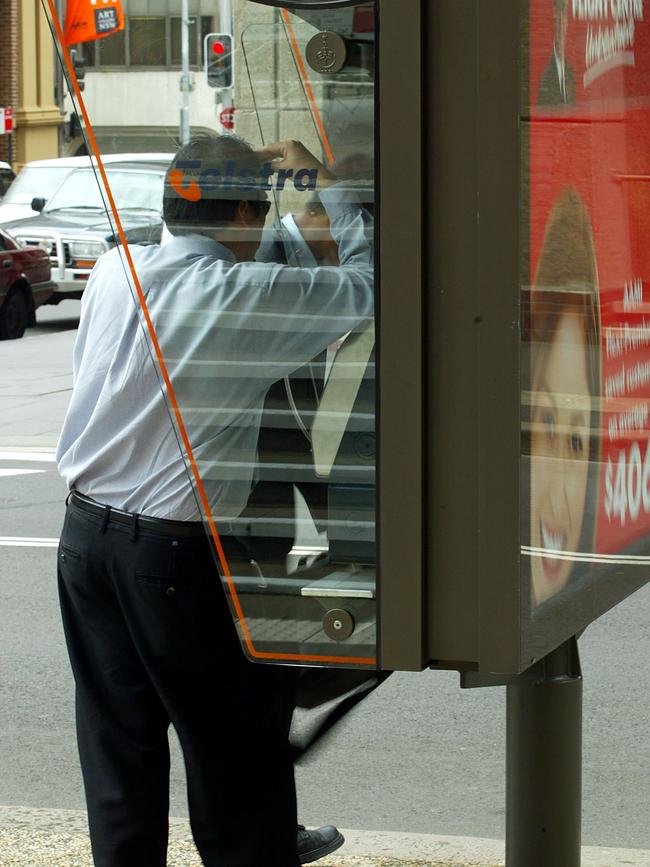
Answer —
294 156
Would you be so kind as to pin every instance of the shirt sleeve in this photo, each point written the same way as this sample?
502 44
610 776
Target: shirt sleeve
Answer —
271 248
295 313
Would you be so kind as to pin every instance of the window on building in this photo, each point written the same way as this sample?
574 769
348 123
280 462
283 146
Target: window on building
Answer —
176 42
149 40
88 52
113 49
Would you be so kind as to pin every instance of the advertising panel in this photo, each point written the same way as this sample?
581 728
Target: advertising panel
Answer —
585 312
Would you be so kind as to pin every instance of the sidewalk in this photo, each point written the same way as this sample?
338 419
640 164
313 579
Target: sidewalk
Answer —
58 838
23 849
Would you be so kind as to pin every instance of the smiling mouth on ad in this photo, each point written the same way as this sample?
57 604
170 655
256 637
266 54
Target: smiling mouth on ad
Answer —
553 541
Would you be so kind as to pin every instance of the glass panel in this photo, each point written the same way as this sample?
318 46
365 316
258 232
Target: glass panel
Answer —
586 356
147 44
252 379
176 48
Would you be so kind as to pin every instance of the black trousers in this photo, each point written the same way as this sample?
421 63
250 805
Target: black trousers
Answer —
151 642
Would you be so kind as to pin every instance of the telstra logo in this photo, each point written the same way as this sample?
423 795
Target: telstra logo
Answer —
193 182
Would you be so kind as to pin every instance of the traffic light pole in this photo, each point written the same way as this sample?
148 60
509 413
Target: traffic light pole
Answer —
226 24
185 74
544 763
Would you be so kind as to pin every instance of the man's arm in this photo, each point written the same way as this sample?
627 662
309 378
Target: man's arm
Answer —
297 312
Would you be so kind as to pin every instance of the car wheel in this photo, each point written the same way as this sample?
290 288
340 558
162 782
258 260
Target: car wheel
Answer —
14 316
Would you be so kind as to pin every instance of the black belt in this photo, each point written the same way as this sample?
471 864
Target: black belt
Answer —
107 514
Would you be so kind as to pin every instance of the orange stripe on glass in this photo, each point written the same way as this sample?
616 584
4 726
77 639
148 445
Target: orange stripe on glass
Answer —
304 75
255 654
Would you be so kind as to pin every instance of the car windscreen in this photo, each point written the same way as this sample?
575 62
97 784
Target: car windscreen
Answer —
35 181
130 189
6 179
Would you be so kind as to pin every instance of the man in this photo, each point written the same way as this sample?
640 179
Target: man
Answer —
148 630
557 86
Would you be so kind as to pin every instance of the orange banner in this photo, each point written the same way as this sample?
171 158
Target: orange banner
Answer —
86 20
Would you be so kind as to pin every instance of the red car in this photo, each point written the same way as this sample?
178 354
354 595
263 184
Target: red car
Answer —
25 284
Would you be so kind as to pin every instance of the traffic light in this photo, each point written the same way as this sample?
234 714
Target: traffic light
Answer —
79 67
219 59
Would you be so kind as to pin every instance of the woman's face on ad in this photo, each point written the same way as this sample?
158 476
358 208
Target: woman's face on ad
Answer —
559 455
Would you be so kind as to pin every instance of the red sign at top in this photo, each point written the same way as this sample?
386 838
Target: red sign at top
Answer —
6 120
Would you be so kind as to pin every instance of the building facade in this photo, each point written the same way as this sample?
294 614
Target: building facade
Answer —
132 78
27 82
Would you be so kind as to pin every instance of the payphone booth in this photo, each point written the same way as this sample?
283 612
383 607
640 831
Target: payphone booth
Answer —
416 421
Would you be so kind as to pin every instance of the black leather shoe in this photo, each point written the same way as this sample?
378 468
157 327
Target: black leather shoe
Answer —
315 844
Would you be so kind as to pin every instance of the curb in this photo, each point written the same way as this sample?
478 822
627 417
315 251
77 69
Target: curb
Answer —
32 837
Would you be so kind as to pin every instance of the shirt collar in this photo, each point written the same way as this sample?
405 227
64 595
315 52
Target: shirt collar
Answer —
299 252
200 245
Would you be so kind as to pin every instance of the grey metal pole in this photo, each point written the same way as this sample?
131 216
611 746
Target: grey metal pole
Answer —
544 763
226 25
185 74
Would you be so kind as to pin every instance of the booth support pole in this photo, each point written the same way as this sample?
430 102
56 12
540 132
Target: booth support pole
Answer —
544 763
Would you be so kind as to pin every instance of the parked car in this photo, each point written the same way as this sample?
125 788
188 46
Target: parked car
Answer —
40 179
25 284
6 177
75 227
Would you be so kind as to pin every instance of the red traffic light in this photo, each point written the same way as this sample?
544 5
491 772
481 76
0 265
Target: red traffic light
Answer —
219 60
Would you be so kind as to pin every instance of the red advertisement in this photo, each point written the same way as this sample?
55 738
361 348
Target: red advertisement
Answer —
587 309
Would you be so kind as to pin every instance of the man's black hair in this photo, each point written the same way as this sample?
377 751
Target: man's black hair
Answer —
227 170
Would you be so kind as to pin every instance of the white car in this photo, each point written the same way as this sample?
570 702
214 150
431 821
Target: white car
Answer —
75 228
42 178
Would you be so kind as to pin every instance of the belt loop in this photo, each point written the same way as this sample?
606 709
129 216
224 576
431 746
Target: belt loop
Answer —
105 519
134 529
70 493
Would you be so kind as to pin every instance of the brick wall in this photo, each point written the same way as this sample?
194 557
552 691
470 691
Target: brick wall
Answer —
8 61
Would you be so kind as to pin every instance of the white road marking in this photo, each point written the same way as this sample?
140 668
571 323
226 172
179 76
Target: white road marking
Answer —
27 542
27 455
18 471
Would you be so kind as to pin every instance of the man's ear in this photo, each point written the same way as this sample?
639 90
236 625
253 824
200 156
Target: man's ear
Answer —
244 215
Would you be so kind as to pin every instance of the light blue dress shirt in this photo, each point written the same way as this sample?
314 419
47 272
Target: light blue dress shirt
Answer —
227 331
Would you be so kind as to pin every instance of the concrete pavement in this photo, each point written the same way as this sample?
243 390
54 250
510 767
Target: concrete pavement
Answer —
58 838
